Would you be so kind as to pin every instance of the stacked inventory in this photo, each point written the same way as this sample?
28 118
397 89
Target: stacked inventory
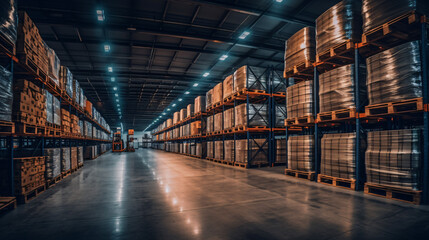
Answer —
228 86
300 49
251 115
65 121
66 81
301 153
218 150
6 98
229 150
29 174
199 105
190 110
217 95
280 151
339 155
80 156
74 125
228 119
53 162
9 21
29 104
73 158
218 122
299 99
65 159
251 151
250 78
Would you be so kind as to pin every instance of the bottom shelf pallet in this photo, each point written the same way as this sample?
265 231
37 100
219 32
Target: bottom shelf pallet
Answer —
66 173
24 198
337 182
245 165
394 193
53 181
300 174
7 203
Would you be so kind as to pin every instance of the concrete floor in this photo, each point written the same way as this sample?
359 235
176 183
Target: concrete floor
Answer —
151 194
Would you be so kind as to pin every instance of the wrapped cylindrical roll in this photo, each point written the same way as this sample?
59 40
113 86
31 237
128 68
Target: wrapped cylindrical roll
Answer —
217 96
299 99
378 12
281 151
395 74
228 86
169 122
209 96
176 117
53 162
252 151
229 150
228 118
393 158
338 155
199 104
218 152
301 152
251 115
300 48
338 24
337 88
247 77
182 114
210 149
218 121
190 110
65 159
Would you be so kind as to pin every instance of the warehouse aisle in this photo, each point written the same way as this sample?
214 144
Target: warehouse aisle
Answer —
151 194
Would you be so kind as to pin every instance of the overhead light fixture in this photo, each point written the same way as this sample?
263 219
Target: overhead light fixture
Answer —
106 47
244 35
100 15
206 74
279 1
109 69
117 105
117 100
115 88
223 57
187 92
163 113
116 94
174 105
168 109
131 28
112 79
180 99
195 85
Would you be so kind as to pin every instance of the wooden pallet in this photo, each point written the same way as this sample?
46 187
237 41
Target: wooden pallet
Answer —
337 115
279 94
29 129
229 130
66 173
7 46
253 128
398 30
304 69
399 107
337 182
24 198
80 165
7 203
300 174
26 61
245 91
394 193
231 163
245 165
7 127
299 121
342 53
53 181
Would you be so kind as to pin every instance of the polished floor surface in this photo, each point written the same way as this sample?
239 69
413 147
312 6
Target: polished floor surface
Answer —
151 194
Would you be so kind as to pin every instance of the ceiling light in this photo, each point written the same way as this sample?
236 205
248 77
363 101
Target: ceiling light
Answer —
279 1
106 47
244 35
180 99
206 74
168 109
116 94
174 105
223 57
131 28
163 113
117 100
117 105
195 85
100 15
187 92
109 69
112 79
115 88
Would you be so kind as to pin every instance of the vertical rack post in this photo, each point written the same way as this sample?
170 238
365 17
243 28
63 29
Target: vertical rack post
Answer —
316 128
425 85
286 127
360 166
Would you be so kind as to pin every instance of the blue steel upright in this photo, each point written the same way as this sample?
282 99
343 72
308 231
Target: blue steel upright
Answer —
425 85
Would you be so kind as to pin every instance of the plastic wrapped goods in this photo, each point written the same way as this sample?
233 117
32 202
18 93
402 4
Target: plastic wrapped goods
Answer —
199 104
193 149
201 149
73 157
210 149
300 48
218 152
336 88
76 91
280 150
80 155
338 24
217 96
210 127
190 110
169 122
299 99
66 80
252 151
378 12
393 158
8 20
209 96
54 65
280 115
278 82
82 99
301 152
49 108
229 150
251 78
65 159
56 110
228 86
251 115
395 74
338 155
53 162
228 118
182 114
6 96
218 122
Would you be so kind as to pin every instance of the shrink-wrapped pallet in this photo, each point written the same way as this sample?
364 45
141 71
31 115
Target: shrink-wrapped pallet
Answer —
66 81
6 96
228 86
251 115
229 150
393 158
169 122
299 100
186 130
201 149
49 107
278 82
90 152
300 48
338 24
338 155
252 151
337 88
53 162
210 149
182 114
76 91
395 74
54 65
195 128
9 20
377 12
192 149
228 118
218 122
190 110
301 152
73 158
250 78
210 127
209 96
65 159
281 151
218 152
217 96
199 104
56 104
80 155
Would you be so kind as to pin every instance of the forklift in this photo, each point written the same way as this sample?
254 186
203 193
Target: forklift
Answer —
130 141
118 143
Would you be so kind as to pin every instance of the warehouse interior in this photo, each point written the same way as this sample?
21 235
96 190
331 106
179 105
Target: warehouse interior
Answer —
214 119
